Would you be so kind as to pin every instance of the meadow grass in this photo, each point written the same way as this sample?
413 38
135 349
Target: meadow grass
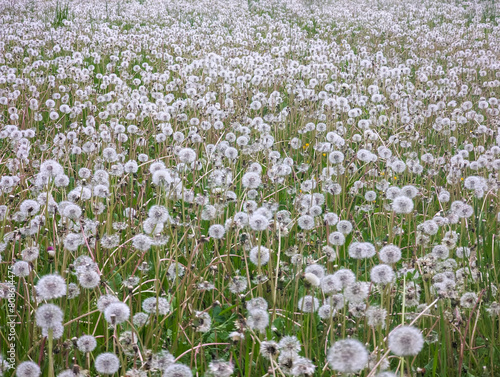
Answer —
212 179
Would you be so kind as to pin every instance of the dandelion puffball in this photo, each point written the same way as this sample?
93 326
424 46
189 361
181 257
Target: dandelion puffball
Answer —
406 341
347 356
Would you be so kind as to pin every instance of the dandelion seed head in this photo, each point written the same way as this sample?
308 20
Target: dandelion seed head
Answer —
302 367
155 305
402 205
256 303
104 301
251 180
468 300
269 349
289 345
238 284
258 319
315 269
158 214
308 304
405 341
177 370
28 369
140 319
216 231
86 343
203 321
21 269
141 242
50 287
376 316
117 312
258 222
344 227
347 356
48 315
107 363
57 331
221 368
441 251
382 274
259 255
89 279
390 254
356 292
361 250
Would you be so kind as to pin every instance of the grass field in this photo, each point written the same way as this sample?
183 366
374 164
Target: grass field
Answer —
262 188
